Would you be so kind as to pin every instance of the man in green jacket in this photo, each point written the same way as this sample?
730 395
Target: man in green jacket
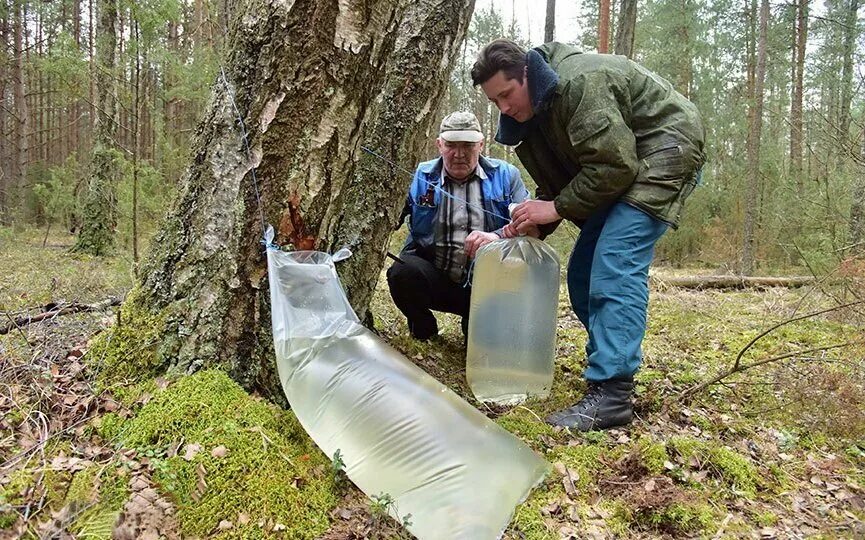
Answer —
616 150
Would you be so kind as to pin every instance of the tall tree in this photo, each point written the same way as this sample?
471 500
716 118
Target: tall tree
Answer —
798 69
21 144
312 81
850 33
857 210
754 132
550 23
626 27
99 219
604 27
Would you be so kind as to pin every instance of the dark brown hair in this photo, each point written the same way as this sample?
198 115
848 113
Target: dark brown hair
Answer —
499 55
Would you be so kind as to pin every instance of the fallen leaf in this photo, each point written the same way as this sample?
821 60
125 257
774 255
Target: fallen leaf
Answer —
219 452
191 451
243 518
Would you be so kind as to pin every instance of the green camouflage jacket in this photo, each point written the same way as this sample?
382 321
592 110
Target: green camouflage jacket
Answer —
605 129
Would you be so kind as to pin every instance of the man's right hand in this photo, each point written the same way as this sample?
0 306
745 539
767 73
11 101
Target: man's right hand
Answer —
476 239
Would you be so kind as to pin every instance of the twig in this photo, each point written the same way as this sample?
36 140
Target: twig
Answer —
738 368
788 321
72 308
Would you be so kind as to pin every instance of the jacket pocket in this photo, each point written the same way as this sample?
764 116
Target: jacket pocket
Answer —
422 223
667 161
581 128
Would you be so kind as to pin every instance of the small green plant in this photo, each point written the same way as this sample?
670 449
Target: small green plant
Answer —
380 508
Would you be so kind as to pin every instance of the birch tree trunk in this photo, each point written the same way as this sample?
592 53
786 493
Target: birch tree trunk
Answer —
312 81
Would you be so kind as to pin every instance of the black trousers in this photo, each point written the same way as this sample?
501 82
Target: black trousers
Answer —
418 287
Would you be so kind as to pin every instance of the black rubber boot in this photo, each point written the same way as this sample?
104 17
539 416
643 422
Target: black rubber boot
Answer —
606 404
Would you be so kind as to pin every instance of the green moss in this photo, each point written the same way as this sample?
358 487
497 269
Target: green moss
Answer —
130 349
733 469
82 488
736 470
653 455
112 490
521 422
529 520
678 518
584 460
108 426
271 471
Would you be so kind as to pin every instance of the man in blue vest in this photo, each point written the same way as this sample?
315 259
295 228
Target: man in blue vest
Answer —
456 204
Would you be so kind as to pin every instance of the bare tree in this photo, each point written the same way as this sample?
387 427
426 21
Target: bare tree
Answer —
550 23
626 27
798 67
604 27
754 131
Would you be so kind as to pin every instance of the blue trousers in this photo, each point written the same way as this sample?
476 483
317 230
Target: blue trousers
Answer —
608 285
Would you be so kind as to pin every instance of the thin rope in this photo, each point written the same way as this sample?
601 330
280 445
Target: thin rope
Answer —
245 137
433 184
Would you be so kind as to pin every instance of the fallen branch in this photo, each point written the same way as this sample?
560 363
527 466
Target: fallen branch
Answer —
744 367
732 282
739 367
74 307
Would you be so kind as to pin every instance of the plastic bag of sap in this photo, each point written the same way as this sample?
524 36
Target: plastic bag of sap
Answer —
512 320
457 474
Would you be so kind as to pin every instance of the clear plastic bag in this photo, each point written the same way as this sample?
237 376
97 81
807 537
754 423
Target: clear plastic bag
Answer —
512 322
452 473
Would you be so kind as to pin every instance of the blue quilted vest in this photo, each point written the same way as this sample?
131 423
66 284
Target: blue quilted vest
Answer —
425 197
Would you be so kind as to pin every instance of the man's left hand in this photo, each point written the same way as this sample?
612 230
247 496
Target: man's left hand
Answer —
530 213
476 239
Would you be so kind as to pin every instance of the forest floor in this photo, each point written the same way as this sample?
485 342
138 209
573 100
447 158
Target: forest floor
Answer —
777 451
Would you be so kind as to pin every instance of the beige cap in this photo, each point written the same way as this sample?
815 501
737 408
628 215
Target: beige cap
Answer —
461 126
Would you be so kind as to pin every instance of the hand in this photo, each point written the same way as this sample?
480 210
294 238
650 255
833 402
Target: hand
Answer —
509 231
529 213
476 239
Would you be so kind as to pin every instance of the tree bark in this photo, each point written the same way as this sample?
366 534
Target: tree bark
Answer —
22 114
857 210
550 23
5 158
98 221
313 81
796 133
604 27
851 33
754 132
626 28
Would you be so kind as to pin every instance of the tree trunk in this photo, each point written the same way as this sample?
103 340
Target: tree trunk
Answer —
851 32
5 159
626 27
98 222
798 63
857 211
313 81
22 115
604 27
754 130
550 23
